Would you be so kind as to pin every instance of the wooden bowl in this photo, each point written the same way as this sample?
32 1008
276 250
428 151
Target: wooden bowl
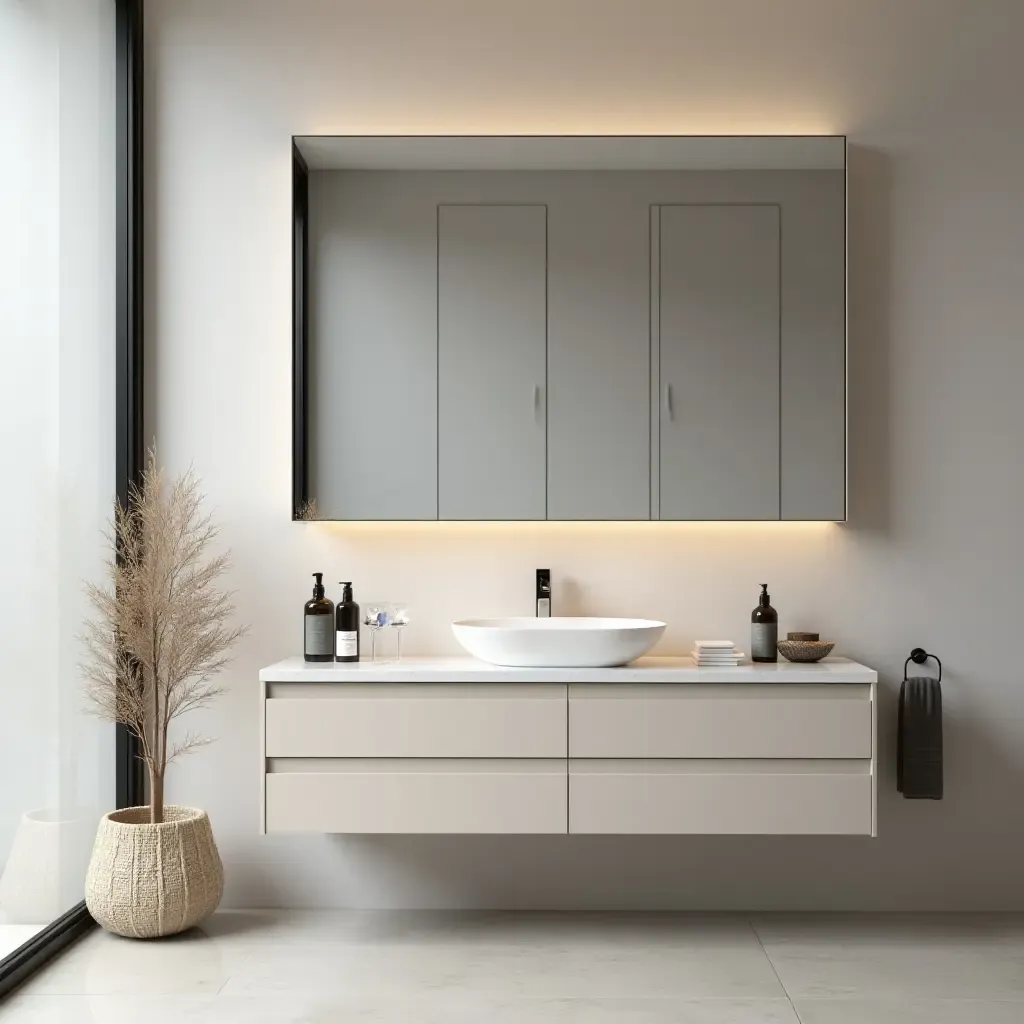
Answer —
805 650
803 636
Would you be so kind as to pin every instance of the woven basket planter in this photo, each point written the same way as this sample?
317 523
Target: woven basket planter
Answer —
147 880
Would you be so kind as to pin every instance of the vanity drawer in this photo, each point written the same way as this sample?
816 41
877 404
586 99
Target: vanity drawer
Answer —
470 796
417 720
720 720
720 798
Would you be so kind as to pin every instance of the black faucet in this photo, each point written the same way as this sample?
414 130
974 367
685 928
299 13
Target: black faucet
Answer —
543 593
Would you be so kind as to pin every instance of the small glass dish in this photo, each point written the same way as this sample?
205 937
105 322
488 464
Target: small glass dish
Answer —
380 617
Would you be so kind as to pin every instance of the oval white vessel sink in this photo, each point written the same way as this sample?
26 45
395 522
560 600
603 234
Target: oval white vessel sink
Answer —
559 642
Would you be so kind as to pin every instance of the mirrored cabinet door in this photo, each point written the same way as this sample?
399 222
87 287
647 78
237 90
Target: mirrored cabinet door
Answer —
718 286
491 359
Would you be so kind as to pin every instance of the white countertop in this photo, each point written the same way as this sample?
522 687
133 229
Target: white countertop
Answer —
644 670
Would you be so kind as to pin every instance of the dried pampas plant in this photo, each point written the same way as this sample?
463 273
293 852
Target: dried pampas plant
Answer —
160 630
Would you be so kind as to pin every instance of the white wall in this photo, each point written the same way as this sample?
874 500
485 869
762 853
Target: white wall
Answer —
929 93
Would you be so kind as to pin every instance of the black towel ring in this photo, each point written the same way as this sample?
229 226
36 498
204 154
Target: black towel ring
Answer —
919 656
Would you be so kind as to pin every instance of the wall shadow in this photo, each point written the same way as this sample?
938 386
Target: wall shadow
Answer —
869 301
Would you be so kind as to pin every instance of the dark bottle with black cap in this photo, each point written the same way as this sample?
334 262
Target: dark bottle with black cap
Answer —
318 625
347 636
764 629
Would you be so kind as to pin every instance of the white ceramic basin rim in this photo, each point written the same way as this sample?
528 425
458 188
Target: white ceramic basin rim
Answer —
558 642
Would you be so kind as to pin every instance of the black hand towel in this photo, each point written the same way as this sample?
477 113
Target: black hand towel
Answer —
919 740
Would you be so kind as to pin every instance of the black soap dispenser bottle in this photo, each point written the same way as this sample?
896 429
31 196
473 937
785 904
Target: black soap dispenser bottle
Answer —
318 624
347 635
764 629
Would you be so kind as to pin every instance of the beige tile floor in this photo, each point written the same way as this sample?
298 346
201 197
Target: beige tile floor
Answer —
288 967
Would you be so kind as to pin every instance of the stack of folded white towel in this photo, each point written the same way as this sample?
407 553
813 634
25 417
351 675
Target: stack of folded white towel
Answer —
715 654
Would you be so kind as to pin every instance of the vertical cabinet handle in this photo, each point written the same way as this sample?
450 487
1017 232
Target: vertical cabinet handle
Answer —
536 401
666 401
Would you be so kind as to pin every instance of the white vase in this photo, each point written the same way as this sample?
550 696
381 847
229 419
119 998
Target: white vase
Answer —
148 880
45 869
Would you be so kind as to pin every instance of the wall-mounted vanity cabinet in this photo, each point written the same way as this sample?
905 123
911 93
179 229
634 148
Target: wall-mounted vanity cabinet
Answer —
659 747
570 328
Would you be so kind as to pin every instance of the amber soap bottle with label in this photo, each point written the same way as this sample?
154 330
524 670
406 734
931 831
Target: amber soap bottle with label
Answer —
764 629
318 624
347 635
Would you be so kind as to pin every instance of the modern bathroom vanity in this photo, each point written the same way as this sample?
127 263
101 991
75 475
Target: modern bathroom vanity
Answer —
453 745
571 328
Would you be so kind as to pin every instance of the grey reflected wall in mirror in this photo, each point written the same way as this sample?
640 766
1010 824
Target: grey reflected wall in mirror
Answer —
569 328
